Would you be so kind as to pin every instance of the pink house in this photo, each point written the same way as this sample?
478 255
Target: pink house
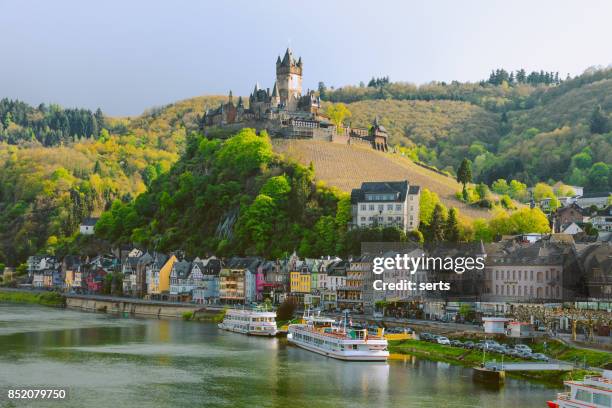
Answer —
259 283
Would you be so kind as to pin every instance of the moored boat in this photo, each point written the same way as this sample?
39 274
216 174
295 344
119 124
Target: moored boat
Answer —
252 322
323 336
593 391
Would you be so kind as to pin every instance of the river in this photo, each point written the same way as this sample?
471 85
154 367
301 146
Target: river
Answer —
108 361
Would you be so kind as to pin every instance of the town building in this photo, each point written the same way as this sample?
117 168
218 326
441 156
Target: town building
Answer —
237 280
205 275
158 275
386 203
527 272
602 219
565 216
597 199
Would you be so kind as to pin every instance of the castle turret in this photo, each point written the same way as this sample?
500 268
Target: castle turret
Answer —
289 80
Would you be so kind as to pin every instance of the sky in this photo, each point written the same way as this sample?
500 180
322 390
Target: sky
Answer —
126 56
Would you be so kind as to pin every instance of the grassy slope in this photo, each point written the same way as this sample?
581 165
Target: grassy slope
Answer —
346 167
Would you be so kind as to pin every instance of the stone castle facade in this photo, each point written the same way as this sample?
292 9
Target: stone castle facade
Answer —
286 112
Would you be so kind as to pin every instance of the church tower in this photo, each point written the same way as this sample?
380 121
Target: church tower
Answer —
289 80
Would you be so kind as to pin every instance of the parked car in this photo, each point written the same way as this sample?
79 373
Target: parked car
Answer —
425 336
443 340
524 354
378 315
522 347
456 343
539 357
468 345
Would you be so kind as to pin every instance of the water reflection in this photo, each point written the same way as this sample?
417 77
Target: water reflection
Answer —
125 362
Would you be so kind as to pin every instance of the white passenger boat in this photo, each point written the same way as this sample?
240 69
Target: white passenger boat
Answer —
253 322
322 335
593 391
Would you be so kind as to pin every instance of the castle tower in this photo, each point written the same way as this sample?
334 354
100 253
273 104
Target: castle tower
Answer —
289 80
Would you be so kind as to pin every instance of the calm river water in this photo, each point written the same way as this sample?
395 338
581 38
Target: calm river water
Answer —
107 361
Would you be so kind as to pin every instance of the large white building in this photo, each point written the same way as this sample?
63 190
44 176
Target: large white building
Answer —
386 203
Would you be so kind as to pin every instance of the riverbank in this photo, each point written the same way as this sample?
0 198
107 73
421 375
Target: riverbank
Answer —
473 358
53 299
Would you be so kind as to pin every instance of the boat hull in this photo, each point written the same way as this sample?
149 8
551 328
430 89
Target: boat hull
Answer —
380 356
247 332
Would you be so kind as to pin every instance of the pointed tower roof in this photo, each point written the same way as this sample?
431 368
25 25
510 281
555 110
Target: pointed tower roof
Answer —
275 91
288 58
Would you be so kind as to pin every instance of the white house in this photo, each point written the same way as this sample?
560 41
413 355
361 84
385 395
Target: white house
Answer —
88 226
386 203
599 200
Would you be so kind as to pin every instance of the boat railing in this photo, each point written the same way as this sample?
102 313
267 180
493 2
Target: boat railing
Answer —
564 396
598 380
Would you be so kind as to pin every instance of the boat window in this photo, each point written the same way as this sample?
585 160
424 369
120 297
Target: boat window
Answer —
583 395
602 399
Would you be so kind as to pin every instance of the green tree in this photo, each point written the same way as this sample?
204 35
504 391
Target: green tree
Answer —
599 121
598 177
500 186
464 175
438 223
451 228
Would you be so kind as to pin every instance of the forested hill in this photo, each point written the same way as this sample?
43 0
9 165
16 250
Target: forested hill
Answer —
529 131
59 165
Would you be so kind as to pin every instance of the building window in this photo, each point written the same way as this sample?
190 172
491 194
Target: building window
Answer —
363 218
363 207
530 275
513 275
381 207
371 207
398 207
389 207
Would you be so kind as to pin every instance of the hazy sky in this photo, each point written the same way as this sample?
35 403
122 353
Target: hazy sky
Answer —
127 55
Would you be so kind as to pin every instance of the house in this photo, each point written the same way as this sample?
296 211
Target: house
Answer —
94 279
565 216
351 296
205 275
71 267
602 219
87 226
386 203
129 270
237 280
158 276
572 229
276 281
40 262
181 284
597 199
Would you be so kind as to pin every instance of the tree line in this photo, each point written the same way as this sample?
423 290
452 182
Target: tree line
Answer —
49 125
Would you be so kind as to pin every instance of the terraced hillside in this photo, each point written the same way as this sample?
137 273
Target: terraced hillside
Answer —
346 167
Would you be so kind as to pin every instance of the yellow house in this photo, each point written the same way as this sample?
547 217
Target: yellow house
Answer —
159 280
300 282
69 279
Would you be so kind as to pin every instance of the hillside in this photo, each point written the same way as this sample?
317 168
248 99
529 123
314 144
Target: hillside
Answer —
346 167
434 124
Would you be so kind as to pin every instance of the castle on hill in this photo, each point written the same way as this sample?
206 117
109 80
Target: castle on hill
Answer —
286 112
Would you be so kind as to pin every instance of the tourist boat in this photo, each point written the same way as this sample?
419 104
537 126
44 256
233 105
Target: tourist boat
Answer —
322 335
593 391
253 322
